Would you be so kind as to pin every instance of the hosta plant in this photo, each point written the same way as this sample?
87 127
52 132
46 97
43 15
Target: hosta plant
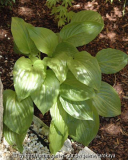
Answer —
66 82
60 10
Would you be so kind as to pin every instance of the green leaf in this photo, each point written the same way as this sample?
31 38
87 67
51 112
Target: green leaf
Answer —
59 66
83 131
56 139
59 39
61 22
19 29
70 14
66 48
66 3
79 110
58 115
74 90
58 128
107 101
111 60
44 39
86 69
14 139
61 10
17 115
89 15
54 10
47 94
80 33
28 76
16 50
51 3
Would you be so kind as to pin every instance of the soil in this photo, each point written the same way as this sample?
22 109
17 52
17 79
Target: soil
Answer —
112 137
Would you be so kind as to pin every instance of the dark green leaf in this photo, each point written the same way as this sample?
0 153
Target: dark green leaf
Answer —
107 101
21 37
47 94
111 60
44 39
65 48
17 115
83 131
86 69
87 15
79 110
80 33
16 50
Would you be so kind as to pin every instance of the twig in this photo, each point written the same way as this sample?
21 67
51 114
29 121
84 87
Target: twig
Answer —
125 25
125 97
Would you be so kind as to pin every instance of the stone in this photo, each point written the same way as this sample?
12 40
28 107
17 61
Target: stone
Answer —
67 147
1 110
87 154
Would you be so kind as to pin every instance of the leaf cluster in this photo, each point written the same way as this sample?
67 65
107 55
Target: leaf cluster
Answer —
60 10
7 2
66 82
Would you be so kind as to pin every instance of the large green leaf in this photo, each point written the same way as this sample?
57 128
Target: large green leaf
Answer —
58 128
59 66
80 110
28 76
47 94
14 139
107 101
111 60
66 48
17 115
16 50
44 39
56 139
88 15
80 33
58 115
19 29
74 90
86 69
83 131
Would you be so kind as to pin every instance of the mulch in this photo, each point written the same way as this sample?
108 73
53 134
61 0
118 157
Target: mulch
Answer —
112 137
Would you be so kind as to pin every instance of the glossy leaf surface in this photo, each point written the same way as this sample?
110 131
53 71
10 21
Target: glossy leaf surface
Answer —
58 128
83 131
87 15
28 76
111 60
107 101
17 115
80 110
47 94
59 66
80 33
74 90
14 139
86 69
65 48
19 29
44 39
